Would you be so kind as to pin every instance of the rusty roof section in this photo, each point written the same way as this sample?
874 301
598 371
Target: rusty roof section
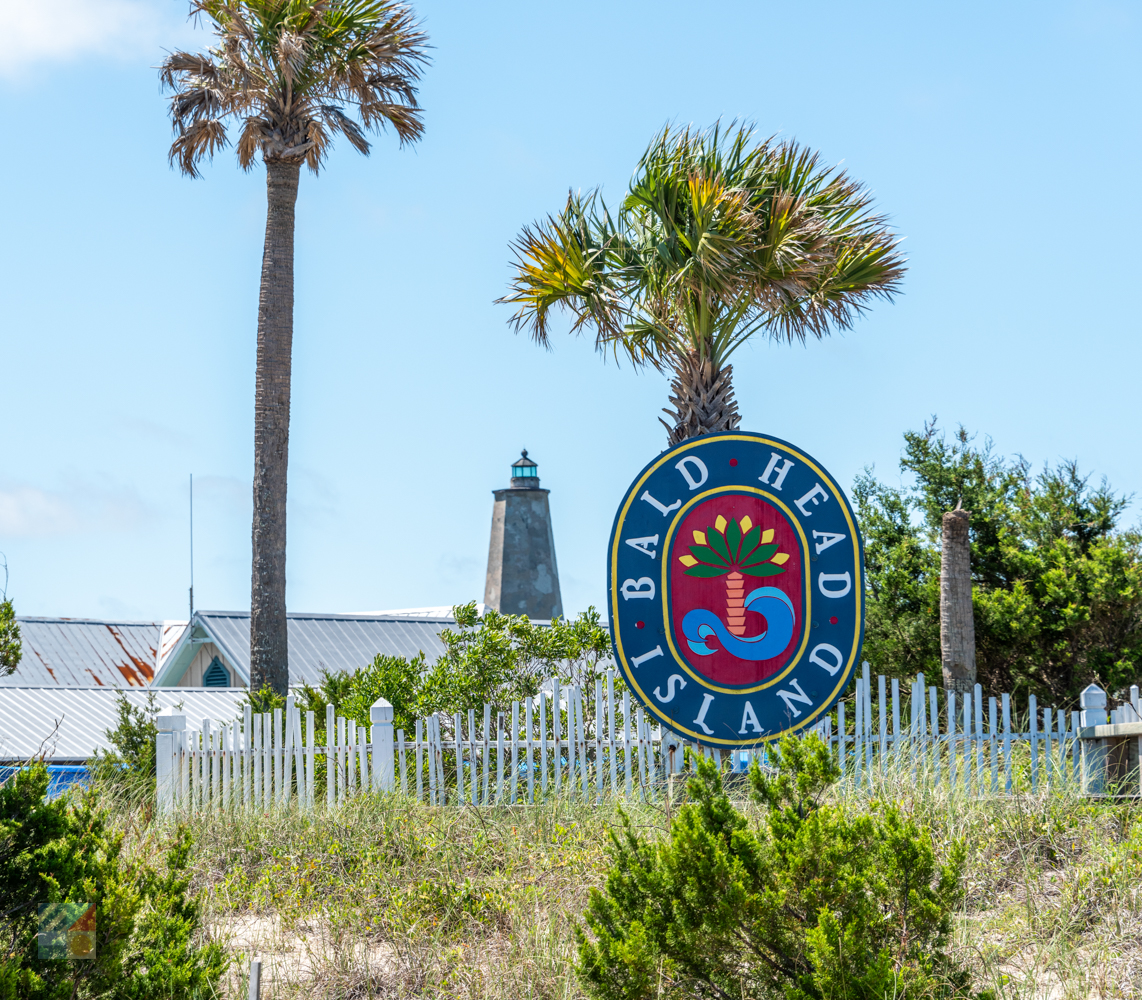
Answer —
86 652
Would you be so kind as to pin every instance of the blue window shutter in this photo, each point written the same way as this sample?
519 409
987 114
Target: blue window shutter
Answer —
216 676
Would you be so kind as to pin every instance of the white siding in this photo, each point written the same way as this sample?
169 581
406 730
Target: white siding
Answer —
201 663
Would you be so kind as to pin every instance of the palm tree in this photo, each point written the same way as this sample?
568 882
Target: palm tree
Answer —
719 238
285 72
734 549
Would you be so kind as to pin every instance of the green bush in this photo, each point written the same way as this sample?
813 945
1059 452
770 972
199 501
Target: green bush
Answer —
815 903
10 650
64 851
128 769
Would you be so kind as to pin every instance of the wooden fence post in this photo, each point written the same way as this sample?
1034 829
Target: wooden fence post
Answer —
1093 702
330 762
381 716
166 773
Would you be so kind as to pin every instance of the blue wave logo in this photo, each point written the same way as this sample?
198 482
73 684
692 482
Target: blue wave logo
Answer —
700 625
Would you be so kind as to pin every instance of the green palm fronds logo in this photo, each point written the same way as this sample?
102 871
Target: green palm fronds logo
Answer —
733 546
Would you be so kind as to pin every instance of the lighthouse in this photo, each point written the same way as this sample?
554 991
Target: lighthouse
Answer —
523 578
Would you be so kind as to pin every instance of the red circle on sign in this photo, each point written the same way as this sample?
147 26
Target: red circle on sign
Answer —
716 568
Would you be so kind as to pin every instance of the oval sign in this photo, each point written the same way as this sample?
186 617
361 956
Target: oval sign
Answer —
736 588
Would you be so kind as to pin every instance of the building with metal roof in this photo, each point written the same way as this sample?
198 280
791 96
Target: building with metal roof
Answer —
215 649
68 724
82 652
212 650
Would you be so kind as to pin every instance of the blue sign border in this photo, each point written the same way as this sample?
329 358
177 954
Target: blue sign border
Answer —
638 587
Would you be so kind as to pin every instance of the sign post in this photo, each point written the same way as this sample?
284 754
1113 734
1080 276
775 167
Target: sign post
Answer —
736 589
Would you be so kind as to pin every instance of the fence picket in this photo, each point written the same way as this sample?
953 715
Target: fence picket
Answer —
883 721
499 758
842 739
366 770
514 745
556 736
543 743
968 752
1076 755
864 667
1034 730
430 759
417 750
895 721
583 767
934 731
486 748
597 722
993 745
612 735
628 784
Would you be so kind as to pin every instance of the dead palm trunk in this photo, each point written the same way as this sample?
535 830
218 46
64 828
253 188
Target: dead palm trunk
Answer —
957 625
269 649
703 398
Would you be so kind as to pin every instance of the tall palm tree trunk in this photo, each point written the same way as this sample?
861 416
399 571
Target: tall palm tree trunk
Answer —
269 650
703 399
957 623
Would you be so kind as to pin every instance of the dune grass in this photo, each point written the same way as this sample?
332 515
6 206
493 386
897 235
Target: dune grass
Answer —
387 897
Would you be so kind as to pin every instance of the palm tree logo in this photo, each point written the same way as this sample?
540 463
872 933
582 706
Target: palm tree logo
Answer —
734 549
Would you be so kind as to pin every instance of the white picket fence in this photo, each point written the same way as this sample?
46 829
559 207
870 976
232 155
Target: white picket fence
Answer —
967 743
592 747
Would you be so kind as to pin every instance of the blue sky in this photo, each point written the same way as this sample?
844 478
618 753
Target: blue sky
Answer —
1003 140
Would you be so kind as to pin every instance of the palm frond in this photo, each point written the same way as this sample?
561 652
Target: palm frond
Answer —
255 131
338 121
720 237
199 139
294 72
563 262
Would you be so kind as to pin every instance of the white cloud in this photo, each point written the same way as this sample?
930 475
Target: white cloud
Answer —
29 512
57 30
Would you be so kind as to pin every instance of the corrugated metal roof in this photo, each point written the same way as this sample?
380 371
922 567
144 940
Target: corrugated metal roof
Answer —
77 652
329 642
28 716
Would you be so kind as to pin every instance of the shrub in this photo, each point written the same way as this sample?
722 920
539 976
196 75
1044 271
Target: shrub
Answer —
64 851
815 903
129 767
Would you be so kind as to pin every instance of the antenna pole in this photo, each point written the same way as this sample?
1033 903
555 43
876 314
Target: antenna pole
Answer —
192 545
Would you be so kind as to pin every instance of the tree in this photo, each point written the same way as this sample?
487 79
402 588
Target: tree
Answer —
812 903
495 659
1056 584
719 238
10 648
285 71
